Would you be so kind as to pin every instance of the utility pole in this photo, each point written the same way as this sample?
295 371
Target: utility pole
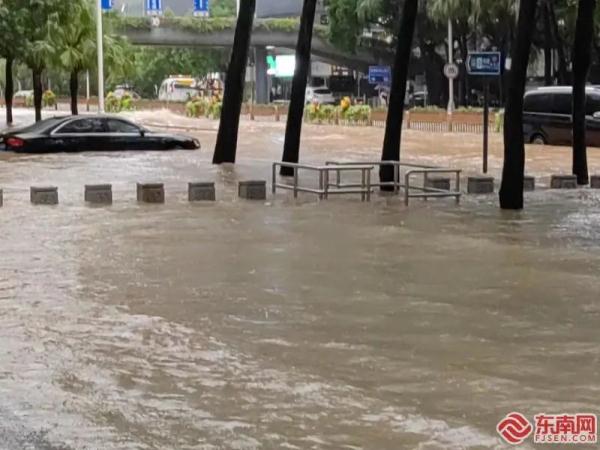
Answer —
450 61
100 47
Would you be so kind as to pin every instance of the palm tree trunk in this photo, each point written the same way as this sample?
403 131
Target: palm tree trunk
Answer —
9 90
393 125
227 138
74 89
37 93
293 130
582 58
511 192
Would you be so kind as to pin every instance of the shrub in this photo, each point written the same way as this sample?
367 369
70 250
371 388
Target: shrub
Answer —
126 103
358 113
48 99
112 103
29 101
196 107
499 121
214 108
327 113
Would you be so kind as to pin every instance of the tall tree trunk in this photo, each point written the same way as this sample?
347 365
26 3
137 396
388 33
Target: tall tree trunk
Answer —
37 93
548 66
227 138
9 90
511 192
393 125
74 89
558 43
582 58
293 130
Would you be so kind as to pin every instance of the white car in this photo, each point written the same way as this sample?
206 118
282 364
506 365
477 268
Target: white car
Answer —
321 95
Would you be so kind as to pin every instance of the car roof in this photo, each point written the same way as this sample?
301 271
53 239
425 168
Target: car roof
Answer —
560 90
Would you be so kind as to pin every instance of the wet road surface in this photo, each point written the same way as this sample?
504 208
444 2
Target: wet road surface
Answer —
287 324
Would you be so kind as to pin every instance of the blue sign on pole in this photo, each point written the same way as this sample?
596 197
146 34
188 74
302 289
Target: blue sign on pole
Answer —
201 7
153 6
380 75
484 63
107 5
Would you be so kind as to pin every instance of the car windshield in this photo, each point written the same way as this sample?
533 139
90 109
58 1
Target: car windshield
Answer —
322 91
41 126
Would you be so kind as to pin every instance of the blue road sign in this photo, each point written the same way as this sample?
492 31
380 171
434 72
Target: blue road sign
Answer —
153 6
484 63
380 75
201 7
107 5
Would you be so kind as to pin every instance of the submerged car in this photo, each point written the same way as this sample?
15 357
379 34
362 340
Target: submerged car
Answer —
90 133
321 95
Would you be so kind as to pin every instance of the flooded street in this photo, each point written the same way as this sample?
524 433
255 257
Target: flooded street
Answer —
289 324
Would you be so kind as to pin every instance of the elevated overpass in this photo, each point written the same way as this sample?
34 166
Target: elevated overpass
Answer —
219 32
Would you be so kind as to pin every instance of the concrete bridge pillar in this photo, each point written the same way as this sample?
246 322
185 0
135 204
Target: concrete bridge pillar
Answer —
261 77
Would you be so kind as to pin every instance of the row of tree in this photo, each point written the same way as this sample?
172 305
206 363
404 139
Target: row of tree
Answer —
517 39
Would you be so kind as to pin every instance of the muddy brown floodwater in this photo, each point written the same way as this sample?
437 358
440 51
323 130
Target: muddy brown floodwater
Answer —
289 324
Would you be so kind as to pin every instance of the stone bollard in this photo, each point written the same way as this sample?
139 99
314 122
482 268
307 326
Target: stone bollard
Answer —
595 181
44 195
253 190
563 182
98 193
151 192
201 192
1 198
528 183
442 183
480 185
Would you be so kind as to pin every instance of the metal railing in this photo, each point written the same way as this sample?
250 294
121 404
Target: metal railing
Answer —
325 188
429 191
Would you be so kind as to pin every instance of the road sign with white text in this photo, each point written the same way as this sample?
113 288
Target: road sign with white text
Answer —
201 7
153 6
107 5
380 75
484 63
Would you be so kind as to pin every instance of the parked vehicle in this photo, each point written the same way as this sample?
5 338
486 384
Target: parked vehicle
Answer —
90 133
547 116
178 89
321 95
20 98
121 91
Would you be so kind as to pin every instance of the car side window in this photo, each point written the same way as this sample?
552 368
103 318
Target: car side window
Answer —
120 126
82 126
592 105
563 104
538 103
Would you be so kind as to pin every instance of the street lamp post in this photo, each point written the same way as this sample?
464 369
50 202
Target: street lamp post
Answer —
100 46
450 61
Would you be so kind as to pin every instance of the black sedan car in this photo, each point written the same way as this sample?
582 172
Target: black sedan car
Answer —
90 133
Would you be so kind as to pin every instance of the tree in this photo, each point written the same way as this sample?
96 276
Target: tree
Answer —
12 37
227 137
393 126
73 43
293 130
582 56
511 192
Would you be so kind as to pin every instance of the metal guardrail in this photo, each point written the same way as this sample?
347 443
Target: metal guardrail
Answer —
325 187
430 192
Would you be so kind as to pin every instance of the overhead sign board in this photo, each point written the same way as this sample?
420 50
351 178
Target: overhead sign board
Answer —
107 5
380 75
153 7
201 7
484 63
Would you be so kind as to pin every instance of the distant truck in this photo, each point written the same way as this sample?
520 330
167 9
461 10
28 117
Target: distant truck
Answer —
178 89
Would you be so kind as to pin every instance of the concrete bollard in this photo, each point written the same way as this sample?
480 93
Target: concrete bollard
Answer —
253 190
44 195
480 185
528 183
98 193
151 192
595 181
563 182
201 192
438 183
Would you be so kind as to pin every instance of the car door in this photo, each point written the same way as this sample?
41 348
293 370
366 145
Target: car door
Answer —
128 136
560 127
81 134
592 123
